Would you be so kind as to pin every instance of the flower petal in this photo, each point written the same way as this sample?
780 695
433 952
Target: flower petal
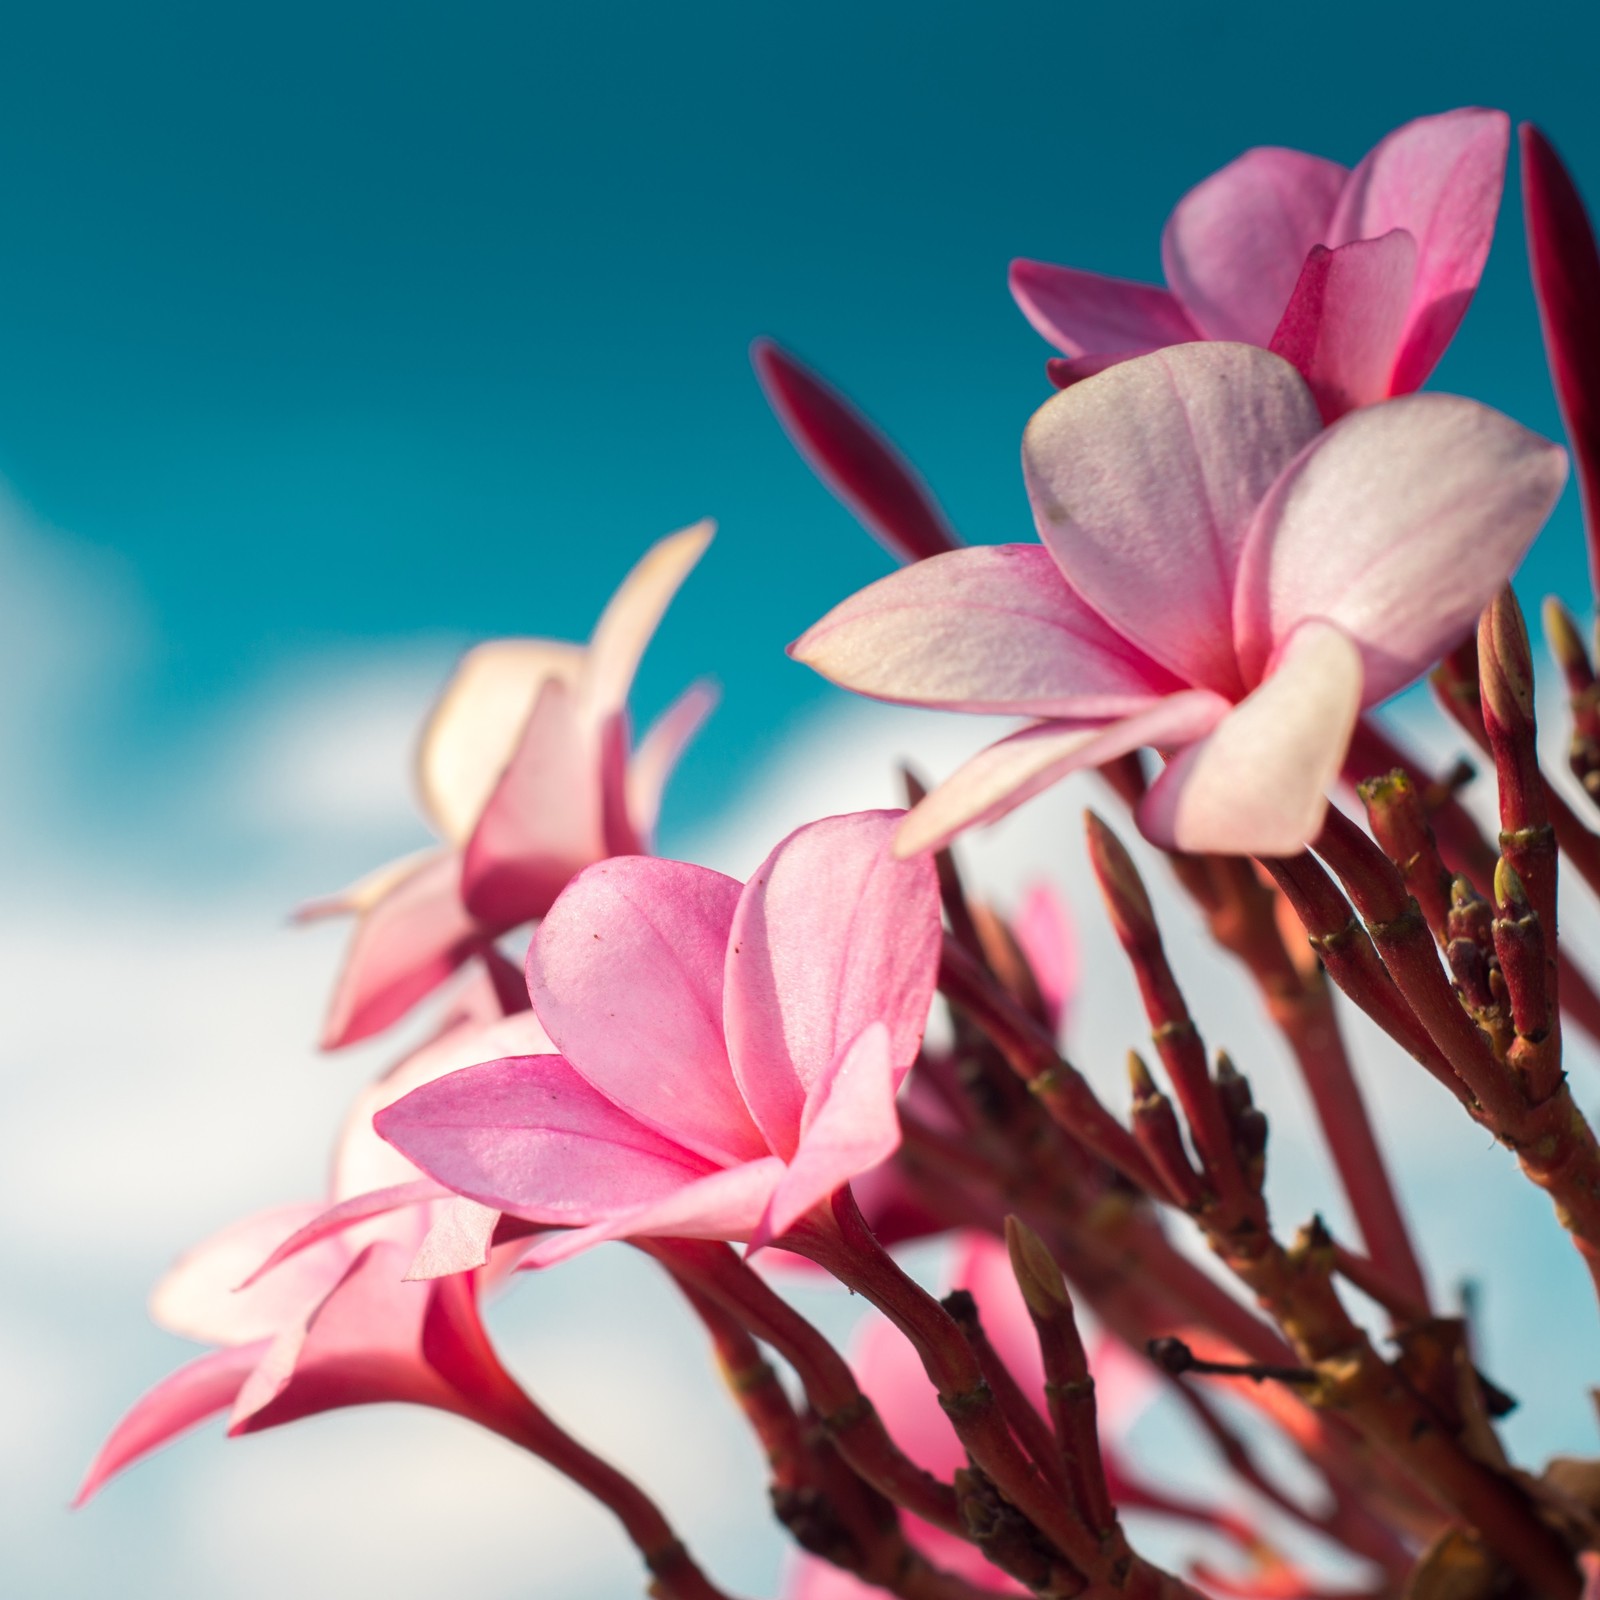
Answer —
850 455
404 946
1144 479
993 628
328 1224
1398 524
832 933
1049 941
632 616
527 1135
626 973
1234 244
176 1404
1258 784
848 1126
997 780
659 752
1440 179
1344 322
1085 314
458 1240
474 726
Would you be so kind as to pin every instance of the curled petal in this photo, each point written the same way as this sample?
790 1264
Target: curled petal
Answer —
853 458
328 1224
1234 244
459 1240
1143 482
997 780
1398 524
993 628
472 730
1344 322
1085 314
626 973
1440 179
1258 784
832 934
632 616
659 752
529 1136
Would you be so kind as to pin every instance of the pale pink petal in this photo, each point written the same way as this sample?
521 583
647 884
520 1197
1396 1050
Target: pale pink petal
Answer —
1050 943
626 973
197 1297
472 730
659 752
1258 784
529 1136
997 780
832 933
1234 245
366 891
176 1404
632 616
982 1266
331 1222
993 628
848 1126
1084 314
542 823
362 1161
853 458
617 834
721 1205
811 1578
1440 179
404 946
1143 482
1399 524
459 1240
1344 322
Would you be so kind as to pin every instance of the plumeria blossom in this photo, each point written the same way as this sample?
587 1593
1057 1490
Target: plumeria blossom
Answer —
729 1055
1360 278
336 1324
525 774
1220 579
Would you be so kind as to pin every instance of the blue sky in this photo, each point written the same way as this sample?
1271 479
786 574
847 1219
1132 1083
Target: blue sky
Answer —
335 337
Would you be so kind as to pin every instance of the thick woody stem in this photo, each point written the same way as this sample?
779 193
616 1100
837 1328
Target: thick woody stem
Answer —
846 1414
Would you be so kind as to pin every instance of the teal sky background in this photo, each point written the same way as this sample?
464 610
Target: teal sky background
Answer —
332 324
352 333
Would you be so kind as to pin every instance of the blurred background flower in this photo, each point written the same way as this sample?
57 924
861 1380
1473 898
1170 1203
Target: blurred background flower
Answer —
337 338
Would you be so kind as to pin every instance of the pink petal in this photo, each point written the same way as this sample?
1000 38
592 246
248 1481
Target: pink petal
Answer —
831 934
626 973
617 834
529 1136
848 1126
1050 943
1258 784
853 458
405 945
1566 279
458 1241
659 752
328 1224
1398 524
632 616
993 628
721 1205
542 823
1234 245
1344 322
1084 314
174 1406
1440 179
472 730
997 780
198 1297
1143 482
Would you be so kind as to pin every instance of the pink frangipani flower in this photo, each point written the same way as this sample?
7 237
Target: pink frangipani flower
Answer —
336 1323
1360 278
524 772
1220 579
729 1055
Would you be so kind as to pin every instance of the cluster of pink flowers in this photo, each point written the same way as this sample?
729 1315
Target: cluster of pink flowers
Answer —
1252 530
